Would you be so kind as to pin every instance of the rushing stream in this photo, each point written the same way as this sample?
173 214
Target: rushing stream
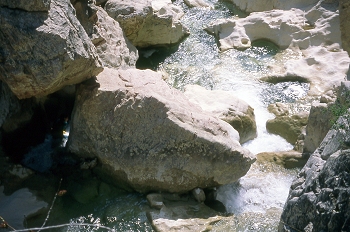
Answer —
258 198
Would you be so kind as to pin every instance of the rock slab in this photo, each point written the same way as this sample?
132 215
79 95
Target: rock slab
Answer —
150 137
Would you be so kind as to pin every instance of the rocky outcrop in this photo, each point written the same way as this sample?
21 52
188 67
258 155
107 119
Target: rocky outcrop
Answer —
288 126
35 5
41 52
313 35
319 197
344 12
148 23
226 106
113 48
288 159
323 116
150 137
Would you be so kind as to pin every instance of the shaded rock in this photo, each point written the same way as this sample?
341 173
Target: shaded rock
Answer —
84 191
198 194
344 12
313 35
288 159
227 107
155 200
318 125
34 5
22 202
131 120
287 126
319 197
113 48
148 23
41 52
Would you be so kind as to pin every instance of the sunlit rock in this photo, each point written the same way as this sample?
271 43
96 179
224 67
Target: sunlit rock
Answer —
112 46
226 106
41 52
150 137
148 23
198 3
288 159
313 34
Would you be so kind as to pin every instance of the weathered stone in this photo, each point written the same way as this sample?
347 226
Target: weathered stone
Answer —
226 106
148 23
319 197
113 48
41 52
131 120
288 159
155 200
313 35
198 194
318 125
198 3
183 215
288 127
33 5
344 12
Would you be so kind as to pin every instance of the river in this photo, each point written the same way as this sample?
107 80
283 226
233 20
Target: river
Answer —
257 199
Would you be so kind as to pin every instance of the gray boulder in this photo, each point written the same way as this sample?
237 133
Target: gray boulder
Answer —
148 23
148 136
319 198
40 52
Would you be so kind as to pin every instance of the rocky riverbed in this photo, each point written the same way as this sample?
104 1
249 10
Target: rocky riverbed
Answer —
210 107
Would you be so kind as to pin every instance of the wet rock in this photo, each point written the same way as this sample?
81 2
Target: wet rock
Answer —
227 107
155 200
288 159
185 214
131 120
319 197
198 194
286 125
148 23
41 52
19 204
313 35
35 5
198 3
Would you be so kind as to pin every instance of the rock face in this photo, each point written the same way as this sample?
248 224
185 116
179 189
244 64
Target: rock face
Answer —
150 137
226 106
198 3
319 198
113 48
41 52
148 23
344 12
312 35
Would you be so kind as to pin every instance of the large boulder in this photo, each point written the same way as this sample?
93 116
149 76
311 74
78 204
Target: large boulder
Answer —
41 52
148 23
319 198
312 36
112 46
148 136
227 107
